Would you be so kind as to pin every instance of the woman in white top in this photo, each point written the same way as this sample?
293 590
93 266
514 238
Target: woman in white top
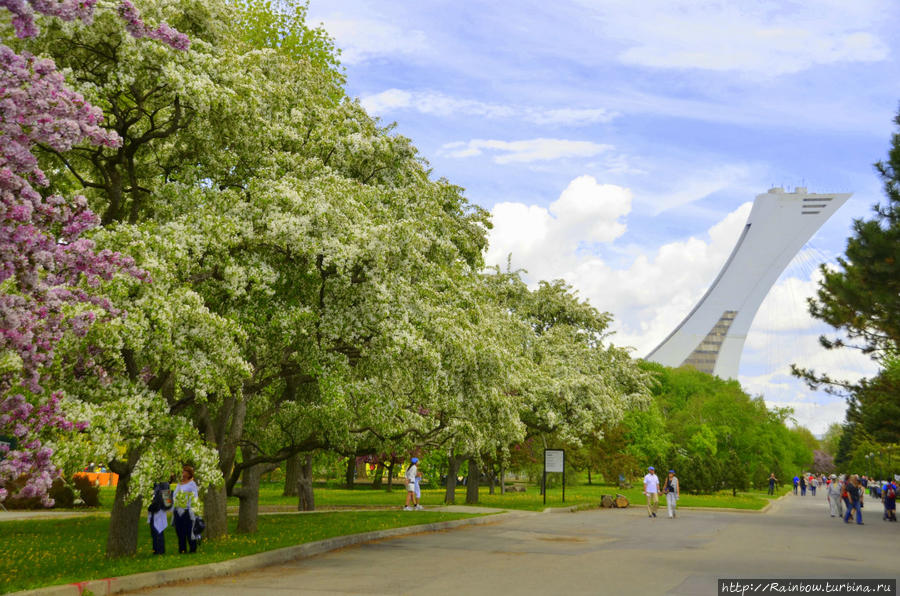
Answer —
672 491
187 508
411 472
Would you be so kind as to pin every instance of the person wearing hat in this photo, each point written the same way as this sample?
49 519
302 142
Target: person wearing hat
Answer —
411 472
833 492
651 489
672 493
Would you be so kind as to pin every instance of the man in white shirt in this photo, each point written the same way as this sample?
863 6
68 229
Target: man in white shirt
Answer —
651 489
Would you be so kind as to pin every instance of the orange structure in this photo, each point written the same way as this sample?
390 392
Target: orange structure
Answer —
101 478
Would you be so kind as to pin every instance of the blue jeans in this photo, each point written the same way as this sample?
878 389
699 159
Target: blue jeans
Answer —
854 505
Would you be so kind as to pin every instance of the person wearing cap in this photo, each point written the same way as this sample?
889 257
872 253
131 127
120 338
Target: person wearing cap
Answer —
411 472
833 493
651 489
672 493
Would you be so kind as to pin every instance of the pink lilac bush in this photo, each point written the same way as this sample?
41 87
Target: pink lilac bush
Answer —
47 269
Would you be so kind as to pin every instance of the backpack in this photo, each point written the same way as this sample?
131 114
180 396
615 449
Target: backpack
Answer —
891 492
199 526
162 500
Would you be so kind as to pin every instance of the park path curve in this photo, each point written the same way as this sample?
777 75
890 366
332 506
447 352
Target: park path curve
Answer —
590 552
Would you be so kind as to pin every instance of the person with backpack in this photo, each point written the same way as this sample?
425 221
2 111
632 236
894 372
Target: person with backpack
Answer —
889 498
157 515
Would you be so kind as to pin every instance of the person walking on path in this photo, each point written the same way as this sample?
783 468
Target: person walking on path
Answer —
889 498
651 489
813 484
854 490
796 483
672 493
411 472
418 489
802 485
833 494
187 507
772 481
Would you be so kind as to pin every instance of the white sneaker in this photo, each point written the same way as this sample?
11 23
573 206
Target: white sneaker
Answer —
419 508
407 509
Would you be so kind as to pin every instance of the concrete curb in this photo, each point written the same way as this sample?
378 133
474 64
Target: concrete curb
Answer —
138 581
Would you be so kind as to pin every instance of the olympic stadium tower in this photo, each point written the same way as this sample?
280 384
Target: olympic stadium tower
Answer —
711 337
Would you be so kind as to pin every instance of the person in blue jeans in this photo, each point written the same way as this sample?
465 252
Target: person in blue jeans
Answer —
796 483
854 494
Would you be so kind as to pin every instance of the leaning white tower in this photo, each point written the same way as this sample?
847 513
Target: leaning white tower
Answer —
711 337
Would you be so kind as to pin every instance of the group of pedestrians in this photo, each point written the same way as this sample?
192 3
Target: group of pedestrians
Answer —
845 494
652 488
186 509
808 481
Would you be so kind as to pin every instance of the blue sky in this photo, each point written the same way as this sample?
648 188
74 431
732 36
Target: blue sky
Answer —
618 145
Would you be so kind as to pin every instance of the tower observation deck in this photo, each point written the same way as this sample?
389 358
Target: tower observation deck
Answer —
711 337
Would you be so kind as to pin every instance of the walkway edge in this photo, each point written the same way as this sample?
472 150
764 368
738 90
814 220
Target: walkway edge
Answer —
149 579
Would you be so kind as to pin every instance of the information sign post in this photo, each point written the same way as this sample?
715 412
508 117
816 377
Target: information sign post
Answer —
554 462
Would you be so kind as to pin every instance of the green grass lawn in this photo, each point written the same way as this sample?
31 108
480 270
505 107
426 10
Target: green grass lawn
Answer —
46 552
585 495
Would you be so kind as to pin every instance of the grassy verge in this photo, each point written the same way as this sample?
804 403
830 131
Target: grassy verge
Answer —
582 495
46 552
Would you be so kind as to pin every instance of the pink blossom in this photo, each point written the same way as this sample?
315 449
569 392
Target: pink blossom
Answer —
44 261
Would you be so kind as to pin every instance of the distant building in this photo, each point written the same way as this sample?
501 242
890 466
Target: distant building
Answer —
711 337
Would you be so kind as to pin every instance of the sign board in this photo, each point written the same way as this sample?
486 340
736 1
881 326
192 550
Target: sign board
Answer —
554 460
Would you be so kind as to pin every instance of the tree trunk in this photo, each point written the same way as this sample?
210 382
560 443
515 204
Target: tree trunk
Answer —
452 472
351 470
223 429
215 512
472 485
124 518
589 475
291 476
492 479
379 475
502 479
248 495
306 498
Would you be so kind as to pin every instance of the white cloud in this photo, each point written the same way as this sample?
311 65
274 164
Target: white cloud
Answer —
525 151
586 213
759 38
362 39
693 188
439 104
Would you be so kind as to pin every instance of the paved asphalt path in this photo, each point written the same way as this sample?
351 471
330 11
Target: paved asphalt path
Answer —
592 552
